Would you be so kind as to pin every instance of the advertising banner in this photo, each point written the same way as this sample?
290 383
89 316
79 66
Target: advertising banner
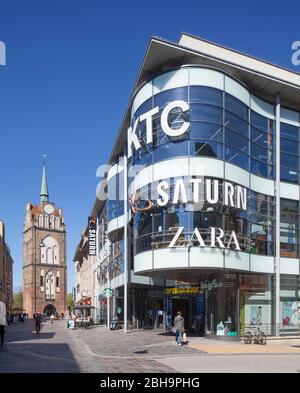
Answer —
92 227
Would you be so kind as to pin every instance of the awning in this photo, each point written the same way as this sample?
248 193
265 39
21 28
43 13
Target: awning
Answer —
83 307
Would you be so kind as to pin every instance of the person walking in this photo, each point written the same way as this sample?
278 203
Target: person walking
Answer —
179 327
2 321
52 319
38 319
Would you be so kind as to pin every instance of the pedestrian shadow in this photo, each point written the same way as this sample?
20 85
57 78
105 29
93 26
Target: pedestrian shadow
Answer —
30 336
38 358
26 332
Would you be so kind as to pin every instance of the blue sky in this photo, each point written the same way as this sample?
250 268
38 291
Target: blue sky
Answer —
71 66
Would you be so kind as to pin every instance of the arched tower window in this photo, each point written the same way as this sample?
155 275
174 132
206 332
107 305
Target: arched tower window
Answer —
57 281
49 251
57 223
55 255
49 255
50 285
46 221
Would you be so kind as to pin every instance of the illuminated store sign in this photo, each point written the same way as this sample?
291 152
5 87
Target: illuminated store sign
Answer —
183 291
147 117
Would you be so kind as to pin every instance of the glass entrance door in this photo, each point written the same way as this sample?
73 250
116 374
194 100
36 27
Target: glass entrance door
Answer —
221 306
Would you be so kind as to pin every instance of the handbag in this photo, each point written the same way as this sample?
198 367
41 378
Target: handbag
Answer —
174 329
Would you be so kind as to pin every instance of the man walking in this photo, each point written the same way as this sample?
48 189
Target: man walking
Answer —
179 327
2 321
38 319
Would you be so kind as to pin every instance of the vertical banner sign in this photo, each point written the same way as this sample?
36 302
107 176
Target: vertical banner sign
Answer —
92 235
8 286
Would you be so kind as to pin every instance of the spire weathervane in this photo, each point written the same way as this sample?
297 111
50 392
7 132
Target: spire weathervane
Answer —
44 189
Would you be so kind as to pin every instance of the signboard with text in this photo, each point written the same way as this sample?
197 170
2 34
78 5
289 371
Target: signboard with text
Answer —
92 229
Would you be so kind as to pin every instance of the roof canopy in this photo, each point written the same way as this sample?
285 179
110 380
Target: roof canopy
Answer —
83 306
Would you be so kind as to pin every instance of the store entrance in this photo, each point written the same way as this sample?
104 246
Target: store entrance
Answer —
184 306
221 306
192 309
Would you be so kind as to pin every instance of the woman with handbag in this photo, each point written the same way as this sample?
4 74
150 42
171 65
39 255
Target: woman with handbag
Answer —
179 327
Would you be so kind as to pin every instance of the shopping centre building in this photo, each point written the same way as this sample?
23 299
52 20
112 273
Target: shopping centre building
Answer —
209 153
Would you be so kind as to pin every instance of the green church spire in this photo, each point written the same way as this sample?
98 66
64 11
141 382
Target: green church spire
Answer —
44 189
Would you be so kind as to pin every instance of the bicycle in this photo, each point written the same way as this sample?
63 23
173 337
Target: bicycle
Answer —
255 335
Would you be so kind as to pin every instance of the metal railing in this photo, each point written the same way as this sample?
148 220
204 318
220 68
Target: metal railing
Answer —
272 329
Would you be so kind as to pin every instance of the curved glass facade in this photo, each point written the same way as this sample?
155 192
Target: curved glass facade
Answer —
203 232
254 228
224 127
115 206
221 126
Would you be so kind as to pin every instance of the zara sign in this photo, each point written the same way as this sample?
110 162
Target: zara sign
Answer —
216 237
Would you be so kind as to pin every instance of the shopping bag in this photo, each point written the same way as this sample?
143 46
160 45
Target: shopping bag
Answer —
184 337
173 329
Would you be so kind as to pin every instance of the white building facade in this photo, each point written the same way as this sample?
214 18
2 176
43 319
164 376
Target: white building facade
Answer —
208 153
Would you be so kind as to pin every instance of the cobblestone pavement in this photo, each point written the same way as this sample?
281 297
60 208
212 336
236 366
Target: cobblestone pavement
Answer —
99 350
57 349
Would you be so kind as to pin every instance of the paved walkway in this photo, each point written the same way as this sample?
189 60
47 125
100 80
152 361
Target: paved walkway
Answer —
215 346
99 350
57 349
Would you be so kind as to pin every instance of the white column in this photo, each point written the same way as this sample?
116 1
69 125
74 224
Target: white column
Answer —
125 240
108 298
277 236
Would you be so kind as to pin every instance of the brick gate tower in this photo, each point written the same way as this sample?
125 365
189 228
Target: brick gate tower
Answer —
44 256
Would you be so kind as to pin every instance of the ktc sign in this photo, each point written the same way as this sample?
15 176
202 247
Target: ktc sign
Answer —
92 228
147 117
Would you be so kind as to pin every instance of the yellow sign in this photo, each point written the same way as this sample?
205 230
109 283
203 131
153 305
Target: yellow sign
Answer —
183 291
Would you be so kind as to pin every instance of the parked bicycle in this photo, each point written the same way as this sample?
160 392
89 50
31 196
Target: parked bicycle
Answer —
255 335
